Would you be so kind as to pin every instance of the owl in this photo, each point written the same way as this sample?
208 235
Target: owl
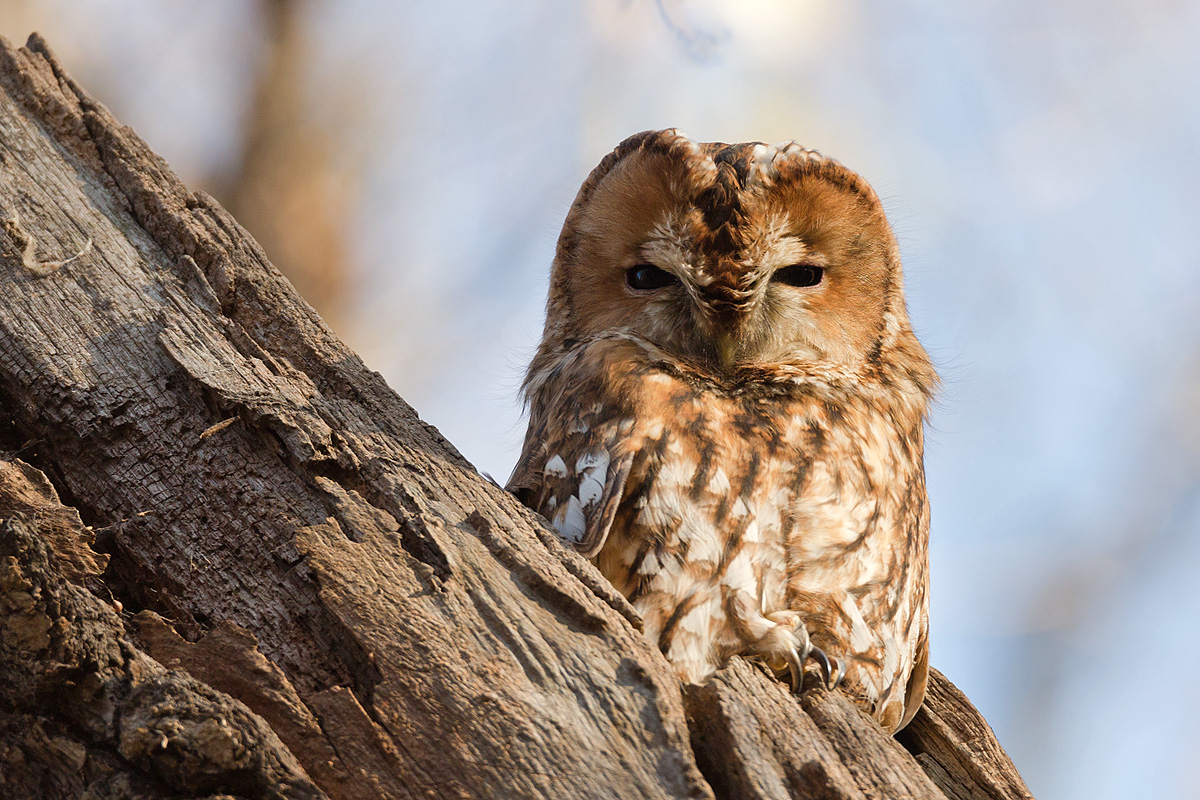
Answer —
727 411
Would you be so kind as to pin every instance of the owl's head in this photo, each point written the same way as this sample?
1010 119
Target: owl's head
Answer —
729 257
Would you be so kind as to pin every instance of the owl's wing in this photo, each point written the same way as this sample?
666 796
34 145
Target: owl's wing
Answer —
573 471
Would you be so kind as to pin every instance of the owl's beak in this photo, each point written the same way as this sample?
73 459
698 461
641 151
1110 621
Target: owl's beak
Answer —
728 329
727 348
728 309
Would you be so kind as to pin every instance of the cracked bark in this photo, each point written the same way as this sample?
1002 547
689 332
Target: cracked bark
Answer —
234 562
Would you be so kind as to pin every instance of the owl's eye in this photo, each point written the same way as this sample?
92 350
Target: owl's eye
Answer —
646 277
799 275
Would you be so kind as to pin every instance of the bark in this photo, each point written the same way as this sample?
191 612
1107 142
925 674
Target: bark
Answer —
235 563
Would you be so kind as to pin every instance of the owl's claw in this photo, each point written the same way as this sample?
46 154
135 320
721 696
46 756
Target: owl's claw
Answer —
799 649
822 660
832 671
839 674
795 664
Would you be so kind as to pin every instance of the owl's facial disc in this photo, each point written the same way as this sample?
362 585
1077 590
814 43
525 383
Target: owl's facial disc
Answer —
726 263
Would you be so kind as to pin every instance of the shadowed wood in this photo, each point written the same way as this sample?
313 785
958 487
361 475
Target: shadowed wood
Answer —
282 531
83 711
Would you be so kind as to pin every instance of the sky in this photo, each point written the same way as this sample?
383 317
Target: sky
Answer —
1038 161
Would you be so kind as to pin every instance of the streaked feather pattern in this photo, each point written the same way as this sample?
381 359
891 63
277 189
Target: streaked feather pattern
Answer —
742 458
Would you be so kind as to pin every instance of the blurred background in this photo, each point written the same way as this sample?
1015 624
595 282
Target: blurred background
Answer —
408 165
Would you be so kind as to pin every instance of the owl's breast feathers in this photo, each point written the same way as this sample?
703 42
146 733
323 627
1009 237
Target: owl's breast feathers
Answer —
711 503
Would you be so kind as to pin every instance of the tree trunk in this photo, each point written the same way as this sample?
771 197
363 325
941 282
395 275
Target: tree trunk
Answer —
279 582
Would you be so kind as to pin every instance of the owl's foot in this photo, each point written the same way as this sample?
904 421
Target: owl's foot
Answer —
787 646
832 672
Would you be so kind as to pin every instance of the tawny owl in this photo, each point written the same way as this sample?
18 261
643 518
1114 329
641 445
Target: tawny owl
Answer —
727 409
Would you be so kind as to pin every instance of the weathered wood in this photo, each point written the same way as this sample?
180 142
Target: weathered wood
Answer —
85 711
283 531
958 749
755 742
880 766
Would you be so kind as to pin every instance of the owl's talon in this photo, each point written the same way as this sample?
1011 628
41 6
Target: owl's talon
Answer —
795 666
839 674
795 651
822 660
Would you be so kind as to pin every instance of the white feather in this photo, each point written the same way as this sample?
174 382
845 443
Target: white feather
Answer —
590 490
861 637
570 521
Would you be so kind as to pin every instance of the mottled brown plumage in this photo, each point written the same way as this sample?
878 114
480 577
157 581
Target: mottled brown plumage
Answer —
727 410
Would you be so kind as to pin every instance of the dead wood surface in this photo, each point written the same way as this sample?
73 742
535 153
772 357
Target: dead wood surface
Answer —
316 592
